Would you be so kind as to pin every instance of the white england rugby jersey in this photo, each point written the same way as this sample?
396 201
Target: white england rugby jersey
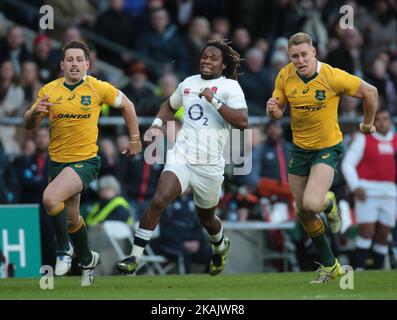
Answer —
204 132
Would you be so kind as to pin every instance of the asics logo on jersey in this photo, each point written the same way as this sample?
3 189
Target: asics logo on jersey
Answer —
306 90
71 97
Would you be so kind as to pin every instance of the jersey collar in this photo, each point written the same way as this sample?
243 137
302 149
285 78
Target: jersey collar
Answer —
71 87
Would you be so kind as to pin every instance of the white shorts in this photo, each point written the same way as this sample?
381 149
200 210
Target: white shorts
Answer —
205 181
376 209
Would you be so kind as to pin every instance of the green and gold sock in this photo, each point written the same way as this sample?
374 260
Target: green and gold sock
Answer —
78 234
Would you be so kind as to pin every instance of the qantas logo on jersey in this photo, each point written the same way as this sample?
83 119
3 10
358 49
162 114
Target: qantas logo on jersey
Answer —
307 108
70 116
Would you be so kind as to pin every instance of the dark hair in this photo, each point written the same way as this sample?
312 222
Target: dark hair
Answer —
230 57
76 45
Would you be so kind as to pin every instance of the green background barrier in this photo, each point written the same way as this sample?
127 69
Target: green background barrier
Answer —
20 238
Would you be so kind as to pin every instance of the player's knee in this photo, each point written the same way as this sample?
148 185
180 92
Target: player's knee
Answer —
312 205
51 204
158 204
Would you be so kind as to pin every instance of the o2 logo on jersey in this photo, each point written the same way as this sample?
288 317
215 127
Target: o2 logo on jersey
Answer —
196 113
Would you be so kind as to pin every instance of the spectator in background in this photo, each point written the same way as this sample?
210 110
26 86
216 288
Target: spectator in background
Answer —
109 157
7 181
255 81
313 24
111 205
11 100
349 55
348 107
93 68
79 13
140 91
221 26
43 56
263 45
163 44
370 171
31 172
30 84
379 78
269 166
168 83
241 40
198 35
277 61
118 26
138 180
392 70
181 234
381 31
13 48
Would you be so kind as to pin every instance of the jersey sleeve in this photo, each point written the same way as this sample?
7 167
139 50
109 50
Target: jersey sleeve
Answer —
235 96
109 94
278 92
40 96
344 82
176 100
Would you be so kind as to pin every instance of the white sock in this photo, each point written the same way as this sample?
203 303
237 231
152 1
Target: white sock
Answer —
214 238
380 248
363 243
142 237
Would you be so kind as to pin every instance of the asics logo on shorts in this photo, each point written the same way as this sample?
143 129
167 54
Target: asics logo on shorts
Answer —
79 165
325 156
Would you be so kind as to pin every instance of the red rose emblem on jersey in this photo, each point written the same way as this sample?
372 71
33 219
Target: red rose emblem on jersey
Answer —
214 89
186 91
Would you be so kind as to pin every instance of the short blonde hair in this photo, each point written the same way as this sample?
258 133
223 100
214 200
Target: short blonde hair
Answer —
299 38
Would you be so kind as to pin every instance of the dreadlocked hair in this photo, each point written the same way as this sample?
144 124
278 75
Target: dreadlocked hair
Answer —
231 58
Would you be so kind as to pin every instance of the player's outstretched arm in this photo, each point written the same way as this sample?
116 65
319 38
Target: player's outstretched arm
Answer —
165 114
32 118
134 146
238 118
369 94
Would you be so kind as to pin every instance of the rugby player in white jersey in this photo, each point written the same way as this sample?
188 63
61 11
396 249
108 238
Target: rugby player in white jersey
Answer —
213 102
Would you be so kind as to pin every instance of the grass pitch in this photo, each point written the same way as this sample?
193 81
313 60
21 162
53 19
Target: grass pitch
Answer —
281 286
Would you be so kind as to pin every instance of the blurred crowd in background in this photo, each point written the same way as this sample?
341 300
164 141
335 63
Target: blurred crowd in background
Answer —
154 44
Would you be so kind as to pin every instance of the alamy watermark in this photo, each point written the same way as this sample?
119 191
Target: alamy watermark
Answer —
347 279
201 147
47 280
347 20
47 19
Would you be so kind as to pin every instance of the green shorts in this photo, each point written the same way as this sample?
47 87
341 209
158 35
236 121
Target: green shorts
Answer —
301 160
87 170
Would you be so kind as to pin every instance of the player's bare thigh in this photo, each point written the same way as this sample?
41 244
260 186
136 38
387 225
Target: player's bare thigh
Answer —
65 185
319 182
